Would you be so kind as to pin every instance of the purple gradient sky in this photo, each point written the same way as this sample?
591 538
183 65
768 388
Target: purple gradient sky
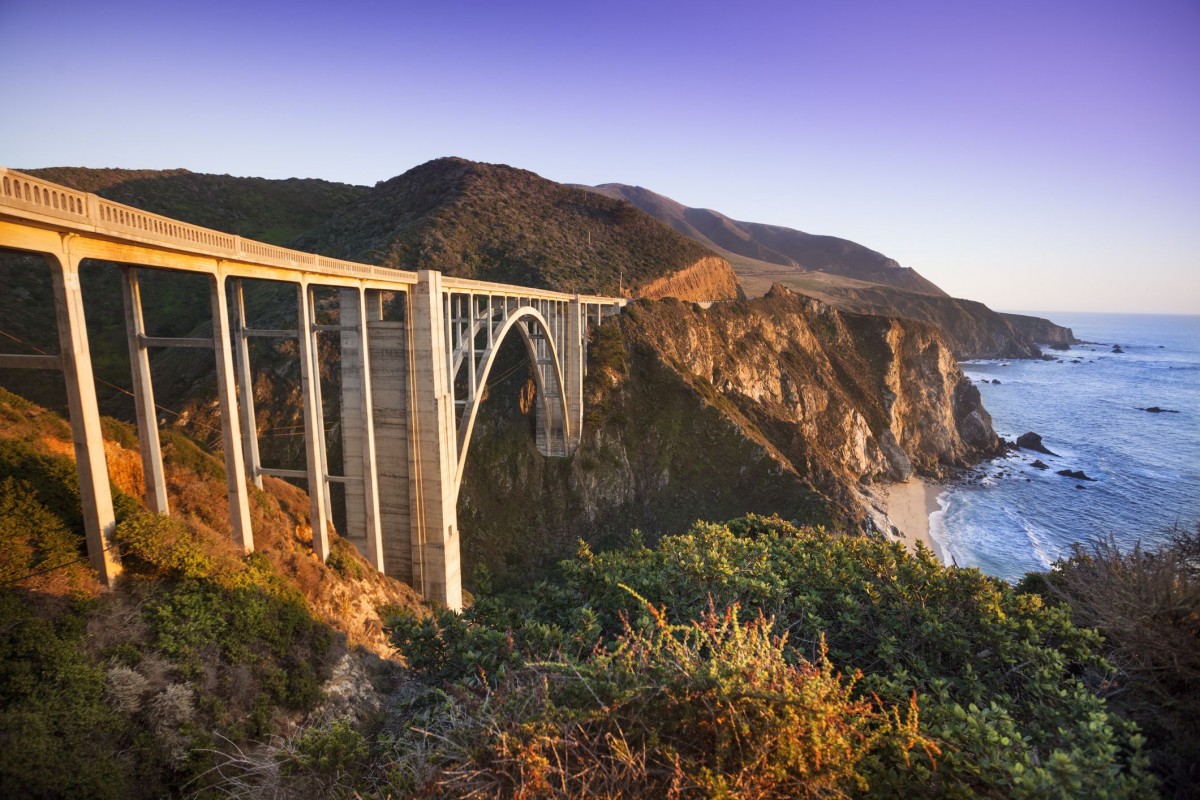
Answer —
1030 155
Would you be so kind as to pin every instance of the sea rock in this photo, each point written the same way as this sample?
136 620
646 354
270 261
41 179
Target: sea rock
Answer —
1080 486
1117 349
995 380
1039 464
1077 474
1157 410
1060 346
1032 441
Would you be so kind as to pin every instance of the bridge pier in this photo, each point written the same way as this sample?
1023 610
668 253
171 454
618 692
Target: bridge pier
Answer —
95 494
358 427
314 436
437 570
231 438
241 348
575 356
143 394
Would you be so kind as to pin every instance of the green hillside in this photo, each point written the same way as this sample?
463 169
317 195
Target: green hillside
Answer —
494 222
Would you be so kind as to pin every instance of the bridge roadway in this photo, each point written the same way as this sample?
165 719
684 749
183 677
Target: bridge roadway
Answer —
411 381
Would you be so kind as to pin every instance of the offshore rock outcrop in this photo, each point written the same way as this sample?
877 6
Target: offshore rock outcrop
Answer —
781 404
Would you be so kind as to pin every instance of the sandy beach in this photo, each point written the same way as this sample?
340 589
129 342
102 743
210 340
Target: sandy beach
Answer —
908 506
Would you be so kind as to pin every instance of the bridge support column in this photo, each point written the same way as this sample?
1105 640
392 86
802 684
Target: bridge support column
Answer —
94 491
358 430
436 567
231 438
314 438
143 394
241 346
575 356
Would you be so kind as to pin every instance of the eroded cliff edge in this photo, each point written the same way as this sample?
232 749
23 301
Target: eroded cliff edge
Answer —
777 405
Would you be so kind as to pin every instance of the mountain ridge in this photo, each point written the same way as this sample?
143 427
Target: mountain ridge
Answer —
773 244
847 275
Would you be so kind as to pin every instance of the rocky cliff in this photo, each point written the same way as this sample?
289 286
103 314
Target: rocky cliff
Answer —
710 278
846 274
1040 330
776 405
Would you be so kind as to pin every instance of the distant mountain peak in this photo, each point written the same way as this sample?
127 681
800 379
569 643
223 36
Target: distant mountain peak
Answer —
758 251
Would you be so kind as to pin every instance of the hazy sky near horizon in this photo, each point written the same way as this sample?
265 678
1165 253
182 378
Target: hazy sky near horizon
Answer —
1027 154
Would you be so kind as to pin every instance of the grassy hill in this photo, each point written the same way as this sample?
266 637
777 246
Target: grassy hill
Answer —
198 649
494 222
765 253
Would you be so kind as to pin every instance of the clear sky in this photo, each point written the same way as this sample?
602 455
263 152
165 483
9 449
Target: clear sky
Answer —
1027 154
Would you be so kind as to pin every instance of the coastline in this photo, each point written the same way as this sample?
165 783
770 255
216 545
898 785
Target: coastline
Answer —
908 506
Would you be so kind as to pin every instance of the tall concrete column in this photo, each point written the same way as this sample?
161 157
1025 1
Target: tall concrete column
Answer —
390 407
435 533
314 444
231 434
574 355
143 394
358 433
245 379
94 491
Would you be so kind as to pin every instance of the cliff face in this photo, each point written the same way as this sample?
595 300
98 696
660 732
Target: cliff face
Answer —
1042 331
710 278
781 404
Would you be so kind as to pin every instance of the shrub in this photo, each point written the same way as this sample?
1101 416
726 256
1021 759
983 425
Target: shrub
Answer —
711 708
1146 604
999 676
57 730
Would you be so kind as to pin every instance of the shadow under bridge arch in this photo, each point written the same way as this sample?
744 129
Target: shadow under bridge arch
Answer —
554 437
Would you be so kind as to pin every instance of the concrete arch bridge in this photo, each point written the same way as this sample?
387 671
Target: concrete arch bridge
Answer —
411 386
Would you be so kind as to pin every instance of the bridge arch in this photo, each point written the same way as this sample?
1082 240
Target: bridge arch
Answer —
551 407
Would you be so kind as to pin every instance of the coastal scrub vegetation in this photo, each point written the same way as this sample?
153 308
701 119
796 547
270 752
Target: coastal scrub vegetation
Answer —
750 658
134 692
931 681
1146 605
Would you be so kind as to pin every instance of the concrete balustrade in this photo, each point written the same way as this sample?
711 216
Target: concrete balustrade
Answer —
405 427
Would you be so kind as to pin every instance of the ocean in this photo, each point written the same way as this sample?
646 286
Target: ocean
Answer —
1016 518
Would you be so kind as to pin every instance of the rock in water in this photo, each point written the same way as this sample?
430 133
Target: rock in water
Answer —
1032 441
1117 349
1039 464
1157 410
1077 474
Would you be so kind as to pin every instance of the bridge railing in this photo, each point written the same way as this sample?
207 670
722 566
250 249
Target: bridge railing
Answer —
90 212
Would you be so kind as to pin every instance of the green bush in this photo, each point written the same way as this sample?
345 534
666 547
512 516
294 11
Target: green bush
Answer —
1146 604
999 676
57 733
714 708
